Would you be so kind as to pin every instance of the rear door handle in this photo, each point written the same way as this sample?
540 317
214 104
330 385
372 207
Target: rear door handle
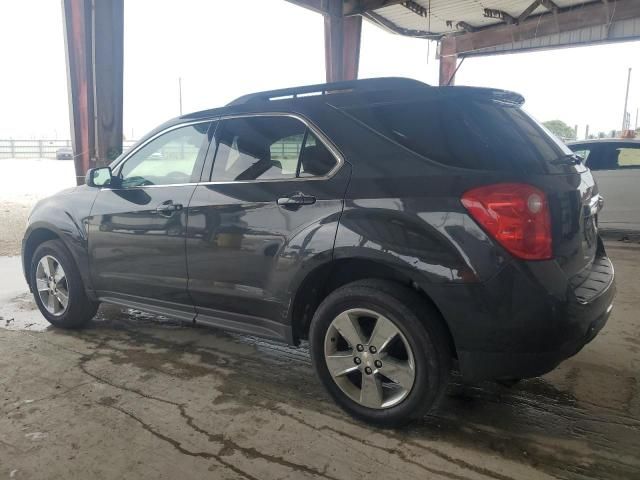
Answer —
168 207
296 200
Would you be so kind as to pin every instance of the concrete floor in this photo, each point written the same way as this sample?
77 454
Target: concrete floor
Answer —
137 396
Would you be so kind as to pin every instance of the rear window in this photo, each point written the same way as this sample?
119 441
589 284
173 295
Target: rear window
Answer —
462 132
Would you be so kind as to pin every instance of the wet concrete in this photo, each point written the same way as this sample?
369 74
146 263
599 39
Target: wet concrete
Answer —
137 396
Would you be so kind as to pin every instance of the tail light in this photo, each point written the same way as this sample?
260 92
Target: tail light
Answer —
514 214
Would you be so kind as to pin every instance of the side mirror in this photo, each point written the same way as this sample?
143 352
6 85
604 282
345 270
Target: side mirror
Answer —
98 177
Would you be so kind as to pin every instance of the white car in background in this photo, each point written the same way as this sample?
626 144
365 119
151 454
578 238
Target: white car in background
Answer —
615 163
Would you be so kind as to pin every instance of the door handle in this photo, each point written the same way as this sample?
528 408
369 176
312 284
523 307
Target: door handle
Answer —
296 200
167 208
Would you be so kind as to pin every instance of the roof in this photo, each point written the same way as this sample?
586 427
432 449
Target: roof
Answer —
494 26
368 84
383 88
629 141
445 17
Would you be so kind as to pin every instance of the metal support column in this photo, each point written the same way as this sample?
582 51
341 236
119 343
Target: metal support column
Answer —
448 61
94 51
342 37
108 52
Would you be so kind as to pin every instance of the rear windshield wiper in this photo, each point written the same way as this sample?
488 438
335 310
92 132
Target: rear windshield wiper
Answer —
568 159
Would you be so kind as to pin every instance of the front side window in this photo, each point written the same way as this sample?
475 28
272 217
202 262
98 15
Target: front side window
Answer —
268 148
166 160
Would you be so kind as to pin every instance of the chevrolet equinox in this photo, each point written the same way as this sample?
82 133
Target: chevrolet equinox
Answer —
397 227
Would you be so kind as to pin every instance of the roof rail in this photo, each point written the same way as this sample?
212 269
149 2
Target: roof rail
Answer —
369 84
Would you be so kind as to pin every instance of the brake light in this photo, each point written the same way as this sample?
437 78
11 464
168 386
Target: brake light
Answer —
516 215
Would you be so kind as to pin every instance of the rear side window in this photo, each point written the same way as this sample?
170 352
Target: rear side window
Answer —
611 156
629 157
465 132
268 148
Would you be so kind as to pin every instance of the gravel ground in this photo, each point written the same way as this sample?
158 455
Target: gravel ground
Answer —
13 217
22 184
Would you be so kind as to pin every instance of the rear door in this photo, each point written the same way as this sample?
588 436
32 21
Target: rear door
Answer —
270 208
137 229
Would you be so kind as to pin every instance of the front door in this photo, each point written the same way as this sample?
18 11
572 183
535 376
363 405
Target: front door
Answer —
137 228
271 206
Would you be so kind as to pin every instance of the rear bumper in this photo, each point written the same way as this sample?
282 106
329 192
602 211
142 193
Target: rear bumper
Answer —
484 365
526 321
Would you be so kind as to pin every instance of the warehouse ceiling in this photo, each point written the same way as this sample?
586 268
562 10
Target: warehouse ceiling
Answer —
494 26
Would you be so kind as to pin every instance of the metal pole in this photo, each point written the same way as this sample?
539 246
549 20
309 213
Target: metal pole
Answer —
180 92
636 128
626 99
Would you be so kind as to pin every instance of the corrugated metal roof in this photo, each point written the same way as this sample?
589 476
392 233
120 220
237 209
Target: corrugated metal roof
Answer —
445 17
621 30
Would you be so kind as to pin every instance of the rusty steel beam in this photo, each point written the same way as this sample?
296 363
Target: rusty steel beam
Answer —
349 7
94 53
358 7
319 6
529 10
77 35
546 24
342 37
448 65
108 54
388 25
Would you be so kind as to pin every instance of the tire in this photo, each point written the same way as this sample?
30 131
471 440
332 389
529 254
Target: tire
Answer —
79 309
422 337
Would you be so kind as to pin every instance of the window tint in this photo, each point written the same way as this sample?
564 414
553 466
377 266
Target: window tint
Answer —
166 160
316 159
614 157
465 132
629 157
287 151
268 148
583 153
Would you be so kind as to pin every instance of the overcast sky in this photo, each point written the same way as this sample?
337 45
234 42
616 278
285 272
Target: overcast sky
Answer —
226 48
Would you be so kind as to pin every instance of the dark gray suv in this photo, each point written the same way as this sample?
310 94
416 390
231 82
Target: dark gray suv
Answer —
396 226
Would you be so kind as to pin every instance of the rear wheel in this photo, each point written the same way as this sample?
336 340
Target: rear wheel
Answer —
380 351
57 287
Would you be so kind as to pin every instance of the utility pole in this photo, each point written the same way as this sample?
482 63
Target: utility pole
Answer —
636 128
180 94
626 99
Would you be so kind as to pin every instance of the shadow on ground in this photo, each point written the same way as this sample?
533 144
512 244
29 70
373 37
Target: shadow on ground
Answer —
141 396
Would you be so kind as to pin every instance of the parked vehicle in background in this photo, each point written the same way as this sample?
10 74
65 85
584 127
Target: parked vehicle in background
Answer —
396 226
615 164
64 153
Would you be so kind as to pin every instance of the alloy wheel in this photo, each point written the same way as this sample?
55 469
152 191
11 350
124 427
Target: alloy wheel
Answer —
369 358
52 286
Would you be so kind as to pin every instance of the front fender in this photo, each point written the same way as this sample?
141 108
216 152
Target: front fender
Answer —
63 215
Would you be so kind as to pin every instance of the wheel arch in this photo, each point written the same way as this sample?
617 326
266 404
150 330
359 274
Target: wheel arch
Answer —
35 237
328 277
40 232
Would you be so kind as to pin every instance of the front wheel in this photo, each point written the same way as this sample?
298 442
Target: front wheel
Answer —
381 352
57 287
